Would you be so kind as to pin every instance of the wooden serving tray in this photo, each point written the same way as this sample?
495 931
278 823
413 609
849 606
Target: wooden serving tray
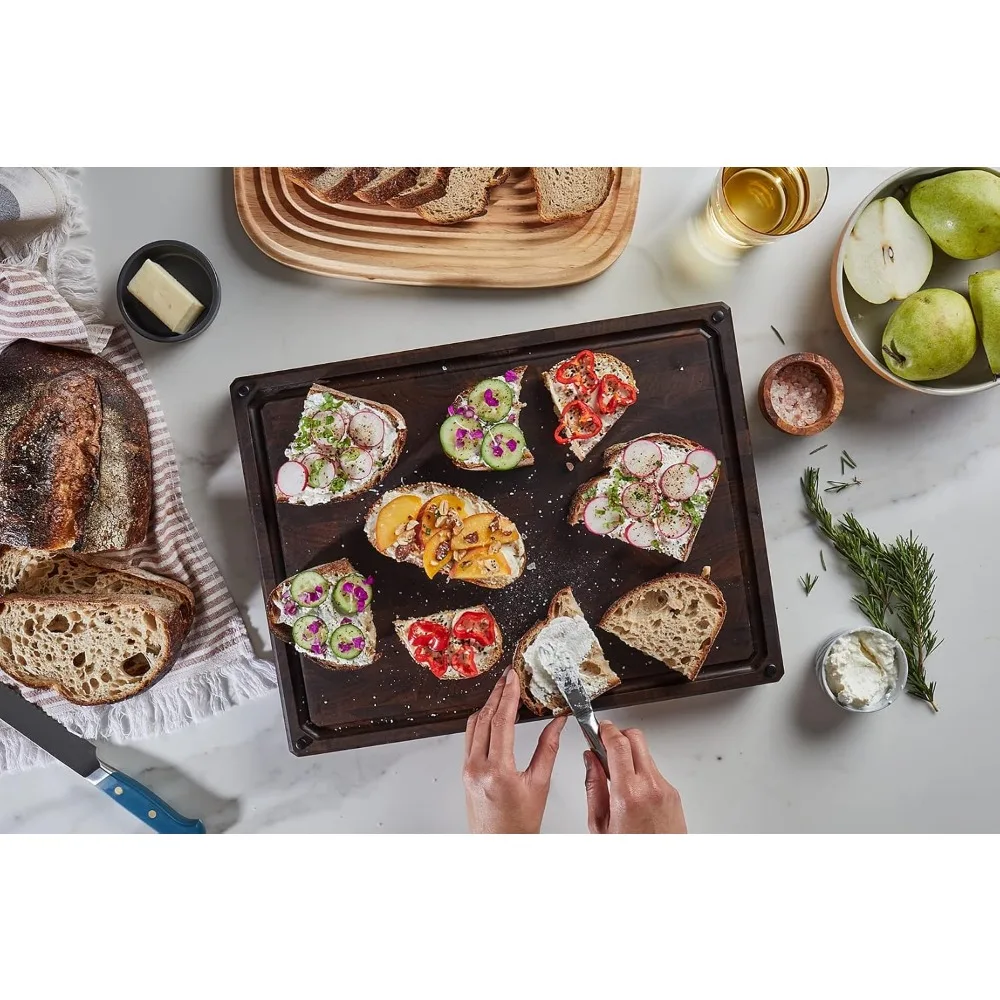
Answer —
509 247
689 384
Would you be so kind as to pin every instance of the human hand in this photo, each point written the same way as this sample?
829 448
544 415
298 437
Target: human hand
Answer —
640 799
498 797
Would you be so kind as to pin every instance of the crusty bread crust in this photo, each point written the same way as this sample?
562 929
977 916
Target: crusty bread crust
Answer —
604 364
527 458
563 604
419 193
337 568
381 188
486 659
702 580
428 490
392 415
429 214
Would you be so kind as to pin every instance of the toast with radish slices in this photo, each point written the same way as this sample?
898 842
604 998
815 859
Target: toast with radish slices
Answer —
343 446
590 392
453 645
654 494
481 432
325 613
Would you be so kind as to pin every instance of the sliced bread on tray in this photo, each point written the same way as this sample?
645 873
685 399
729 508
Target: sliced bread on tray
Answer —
466 196
538 690
91 651
674 619
453 645
569 192
386 184
430 184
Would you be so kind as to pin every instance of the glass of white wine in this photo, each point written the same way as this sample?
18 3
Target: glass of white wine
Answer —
751 206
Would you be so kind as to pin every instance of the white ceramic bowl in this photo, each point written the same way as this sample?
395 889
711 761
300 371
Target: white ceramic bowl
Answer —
863 323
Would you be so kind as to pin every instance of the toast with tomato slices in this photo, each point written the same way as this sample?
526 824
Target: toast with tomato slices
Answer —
565 393
428 525
468 653
653 495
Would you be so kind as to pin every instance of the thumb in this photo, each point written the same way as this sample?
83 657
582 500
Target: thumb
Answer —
598 802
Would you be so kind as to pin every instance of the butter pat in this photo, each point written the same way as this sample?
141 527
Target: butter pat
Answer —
165 297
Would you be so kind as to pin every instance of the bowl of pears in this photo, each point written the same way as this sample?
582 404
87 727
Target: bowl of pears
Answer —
916 280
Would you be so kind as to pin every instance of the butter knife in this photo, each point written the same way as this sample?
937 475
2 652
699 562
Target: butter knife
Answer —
572 689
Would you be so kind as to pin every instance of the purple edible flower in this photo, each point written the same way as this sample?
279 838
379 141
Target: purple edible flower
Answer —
510 376
345 647
317 648
511 444
314 627
460 434
345 621
291 609
497 451
451 410
491 400
369 580
362 603
359 642
348 588
468 411
477 435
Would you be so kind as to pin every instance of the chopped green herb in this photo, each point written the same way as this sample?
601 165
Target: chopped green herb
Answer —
820 448
851 464
590 493
808 582
832 487
778 335
822 560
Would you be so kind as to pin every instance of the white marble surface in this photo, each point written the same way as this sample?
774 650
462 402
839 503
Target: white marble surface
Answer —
778 758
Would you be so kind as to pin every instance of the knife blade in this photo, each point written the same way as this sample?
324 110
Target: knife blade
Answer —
80 755
571 688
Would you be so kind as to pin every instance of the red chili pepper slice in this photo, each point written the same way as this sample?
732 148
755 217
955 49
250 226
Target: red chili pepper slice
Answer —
578 422
430 635
612 392
437 663
475 626
463 660
579 370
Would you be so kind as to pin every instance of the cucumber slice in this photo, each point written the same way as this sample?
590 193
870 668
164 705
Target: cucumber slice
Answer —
503 447
309 589
342 642
345 594
457 444
308 632
491 399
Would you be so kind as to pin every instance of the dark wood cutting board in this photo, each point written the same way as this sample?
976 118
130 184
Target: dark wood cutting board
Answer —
689 384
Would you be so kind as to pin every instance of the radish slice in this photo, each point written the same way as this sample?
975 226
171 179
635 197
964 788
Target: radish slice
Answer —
357 464
292 478
639 499
320 471
641 534
600 517
680 482
641 458
704 461
367 429
676 524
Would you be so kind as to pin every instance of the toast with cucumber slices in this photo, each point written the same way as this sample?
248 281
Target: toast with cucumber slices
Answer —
343 446
482 431
590 392
653 495
449 531
453 645
325 613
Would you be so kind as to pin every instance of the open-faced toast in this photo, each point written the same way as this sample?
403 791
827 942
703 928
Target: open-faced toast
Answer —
538 691
674 619
325 613
447 530
453 645
654 493
590 392
482 431
343 446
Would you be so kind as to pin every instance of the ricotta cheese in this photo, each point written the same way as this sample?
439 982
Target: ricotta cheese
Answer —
860 667
557 651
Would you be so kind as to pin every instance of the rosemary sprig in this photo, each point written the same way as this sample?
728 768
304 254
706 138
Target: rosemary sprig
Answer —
820 448
808 582
832 487
899 584
822 560
846 462
778 335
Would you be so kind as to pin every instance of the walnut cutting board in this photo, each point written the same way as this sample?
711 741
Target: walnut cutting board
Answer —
689 384
509 247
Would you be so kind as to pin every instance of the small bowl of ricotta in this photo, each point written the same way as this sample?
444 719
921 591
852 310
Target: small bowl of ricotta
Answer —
862 669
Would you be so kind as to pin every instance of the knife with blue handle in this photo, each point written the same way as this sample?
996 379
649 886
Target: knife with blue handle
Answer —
81 756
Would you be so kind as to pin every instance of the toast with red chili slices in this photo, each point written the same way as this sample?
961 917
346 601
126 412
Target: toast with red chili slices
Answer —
580 380
454 645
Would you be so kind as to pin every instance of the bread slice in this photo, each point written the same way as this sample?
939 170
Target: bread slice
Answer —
364 620
569 192
429 185
65 574
386 184
595 671
408 545
328 184
486 658
667 513
604 364
467 195
92 652
385 454
674 619
516 382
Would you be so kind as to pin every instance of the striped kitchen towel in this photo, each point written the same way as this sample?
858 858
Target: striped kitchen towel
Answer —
217 667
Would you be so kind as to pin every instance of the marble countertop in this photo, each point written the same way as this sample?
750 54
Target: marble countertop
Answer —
776 758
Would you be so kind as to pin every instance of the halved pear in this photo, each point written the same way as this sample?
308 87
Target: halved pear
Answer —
888 255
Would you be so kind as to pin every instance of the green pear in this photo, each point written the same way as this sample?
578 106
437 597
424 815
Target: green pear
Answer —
984 290
960 212
930 335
